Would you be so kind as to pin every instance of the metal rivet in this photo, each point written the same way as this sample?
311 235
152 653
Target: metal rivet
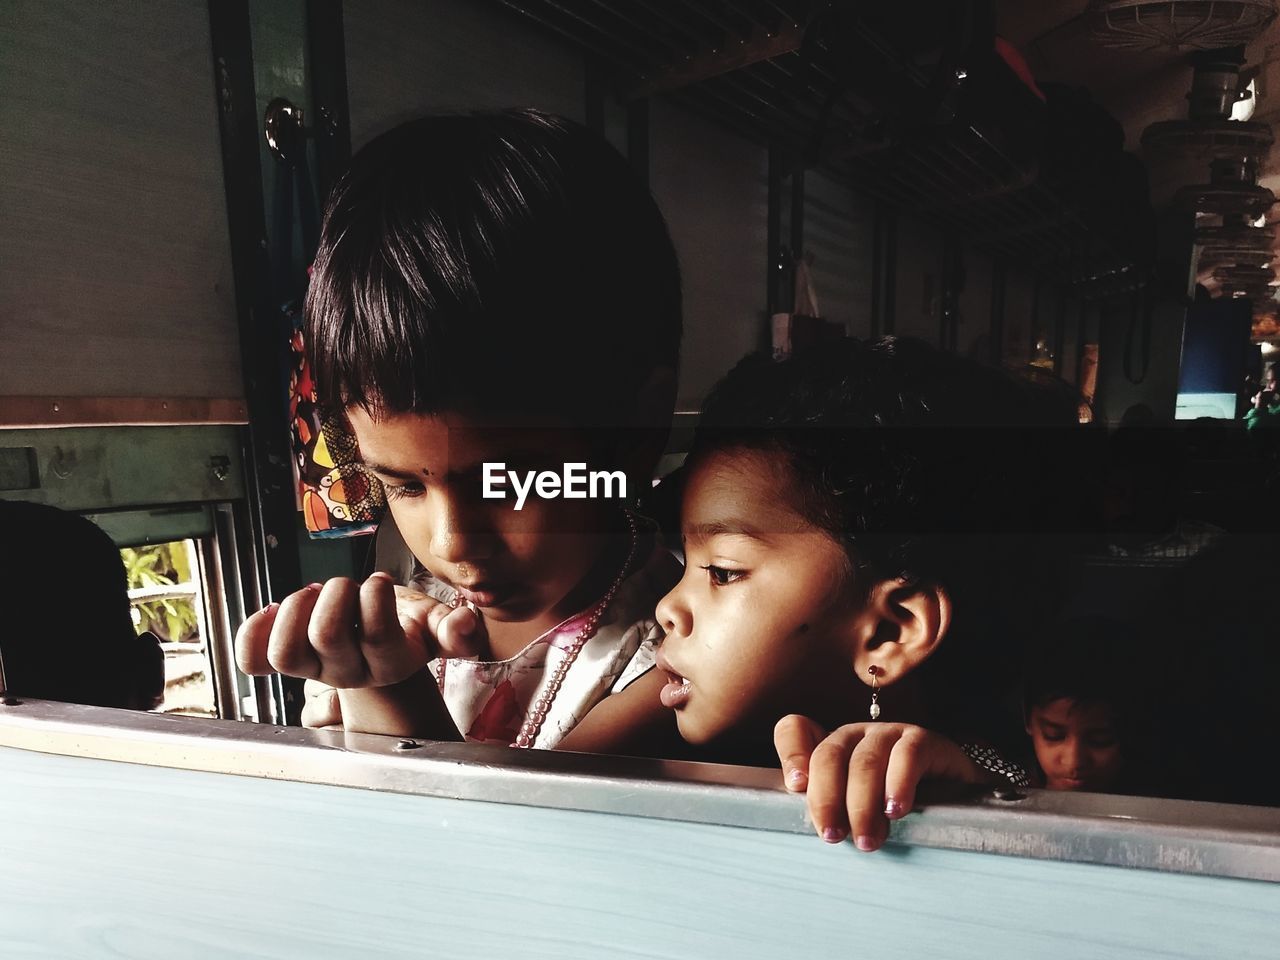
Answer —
408 745
1007 793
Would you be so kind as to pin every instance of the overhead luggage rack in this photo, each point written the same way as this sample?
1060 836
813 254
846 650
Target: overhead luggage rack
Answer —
910 102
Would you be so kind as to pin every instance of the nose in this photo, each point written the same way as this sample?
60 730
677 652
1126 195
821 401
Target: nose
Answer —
673 613
460 530
1075 758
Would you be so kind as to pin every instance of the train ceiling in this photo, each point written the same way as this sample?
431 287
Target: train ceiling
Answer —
910 101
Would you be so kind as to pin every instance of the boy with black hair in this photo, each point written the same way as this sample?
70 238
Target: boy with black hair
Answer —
491 291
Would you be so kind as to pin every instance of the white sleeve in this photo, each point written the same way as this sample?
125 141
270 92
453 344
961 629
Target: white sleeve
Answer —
642 661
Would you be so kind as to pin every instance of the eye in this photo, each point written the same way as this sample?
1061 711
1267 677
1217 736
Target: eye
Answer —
403 490
722 576
1051 735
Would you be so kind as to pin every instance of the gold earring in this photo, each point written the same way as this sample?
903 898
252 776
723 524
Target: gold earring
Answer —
875 692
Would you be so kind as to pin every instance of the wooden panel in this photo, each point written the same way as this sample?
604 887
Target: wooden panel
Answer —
91 411
838 233
111 860
408 58
93 468
713 188
116 276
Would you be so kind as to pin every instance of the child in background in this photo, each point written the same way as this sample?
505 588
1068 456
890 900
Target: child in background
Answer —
495 288
1080 696
854 552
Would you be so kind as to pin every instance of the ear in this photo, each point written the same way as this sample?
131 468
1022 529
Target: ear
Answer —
902 625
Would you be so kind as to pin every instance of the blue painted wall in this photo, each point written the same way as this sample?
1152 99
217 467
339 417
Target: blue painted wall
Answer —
111 860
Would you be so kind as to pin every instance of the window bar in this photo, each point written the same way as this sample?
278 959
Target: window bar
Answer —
5 699
219 642
240 582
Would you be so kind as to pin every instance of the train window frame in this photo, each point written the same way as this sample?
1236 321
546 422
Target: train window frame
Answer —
147 483
1178 836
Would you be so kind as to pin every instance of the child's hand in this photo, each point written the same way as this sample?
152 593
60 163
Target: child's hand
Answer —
321 708
863 775
350 635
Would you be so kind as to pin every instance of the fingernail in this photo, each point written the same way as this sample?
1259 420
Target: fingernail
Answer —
315 586
796 778
833 834
892 808
271 608
865 843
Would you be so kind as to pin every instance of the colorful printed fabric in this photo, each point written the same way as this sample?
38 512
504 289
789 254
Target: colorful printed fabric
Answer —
337 496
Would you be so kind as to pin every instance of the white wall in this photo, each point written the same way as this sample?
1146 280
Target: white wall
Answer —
408 58
713 187
838 235
115 257
918 311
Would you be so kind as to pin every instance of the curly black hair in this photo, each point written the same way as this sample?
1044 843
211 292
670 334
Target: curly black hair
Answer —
928 467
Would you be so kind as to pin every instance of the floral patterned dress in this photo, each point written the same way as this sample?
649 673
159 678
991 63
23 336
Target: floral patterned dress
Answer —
489 699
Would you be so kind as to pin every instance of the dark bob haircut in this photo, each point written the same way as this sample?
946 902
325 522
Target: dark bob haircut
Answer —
495 263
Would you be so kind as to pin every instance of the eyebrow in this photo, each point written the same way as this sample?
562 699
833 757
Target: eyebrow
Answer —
394 473
731 527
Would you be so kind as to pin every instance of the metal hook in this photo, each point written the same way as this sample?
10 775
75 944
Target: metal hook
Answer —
284 129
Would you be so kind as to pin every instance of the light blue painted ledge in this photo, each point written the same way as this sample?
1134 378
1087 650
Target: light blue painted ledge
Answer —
120 840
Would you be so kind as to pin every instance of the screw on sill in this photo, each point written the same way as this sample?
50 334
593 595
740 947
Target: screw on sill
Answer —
1009 793
408 745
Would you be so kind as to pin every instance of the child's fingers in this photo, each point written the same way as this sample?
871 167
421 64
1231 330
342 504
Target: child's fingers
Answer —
443 630
794 738
828 775
390 653
252 639
460 633
908 765
420 617
333 634
864 792
320 706
289 649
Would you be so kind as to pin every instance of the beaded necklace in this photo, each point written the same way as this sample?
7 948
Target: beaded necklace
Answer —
541 707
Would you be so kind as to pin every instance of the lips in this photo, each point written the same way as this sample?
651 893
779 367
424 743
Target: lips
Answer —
484 593
676 691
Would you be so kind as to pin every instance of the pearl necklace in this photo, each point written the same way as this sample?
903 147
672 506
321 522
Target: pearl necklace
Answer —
542 706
